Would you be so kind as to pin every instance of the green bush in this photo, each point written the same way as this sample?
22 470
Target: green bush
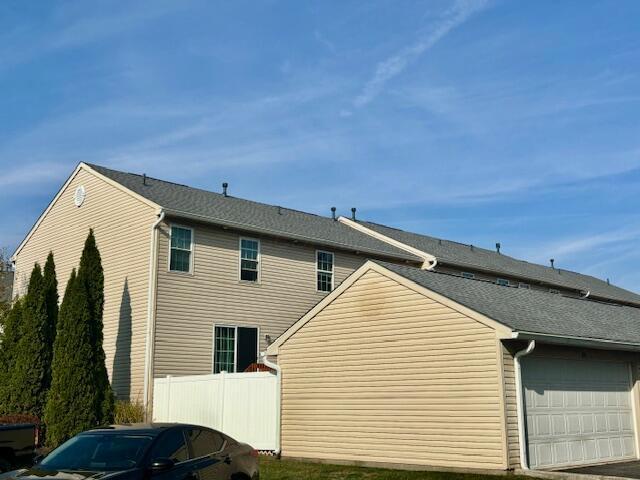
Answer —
31 371
9 338
128 412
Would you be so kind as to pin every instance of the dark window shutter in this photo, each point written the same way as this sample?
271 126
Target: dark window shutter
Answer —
247 347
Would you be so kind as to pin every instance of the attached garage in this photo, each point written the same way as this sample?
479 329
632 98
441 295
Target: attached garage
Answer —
412 368
578 411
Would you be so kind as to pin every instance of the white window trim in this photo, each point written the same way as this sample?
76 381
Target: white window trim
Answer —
468 275
555 291
524 285
333 272
192 247
235 345
500 282
259 259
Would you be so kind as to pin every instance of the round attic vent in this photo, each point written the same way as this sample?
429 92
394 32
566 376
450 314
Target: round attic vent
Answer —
79 196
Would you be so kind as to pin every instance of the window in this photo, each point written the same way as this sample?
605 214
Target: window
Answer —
106 452
249 259
181 247
526 286
324 271
234 348
172 446
468 275
204 442
503 282
553 290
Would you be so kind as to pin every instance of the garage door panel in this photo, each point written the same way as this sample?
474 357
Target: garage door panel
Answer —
578 411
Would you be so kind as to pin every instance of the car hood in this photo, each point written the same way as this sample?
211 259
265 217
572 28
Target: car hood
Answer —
38 474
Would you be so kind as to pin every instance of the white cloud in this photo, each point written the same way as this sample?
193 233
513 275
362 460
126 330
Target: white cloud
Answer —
396 64
31 175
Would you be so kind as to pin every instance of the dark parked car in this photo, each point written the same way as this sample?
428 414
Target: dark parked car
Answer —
17 445
145 452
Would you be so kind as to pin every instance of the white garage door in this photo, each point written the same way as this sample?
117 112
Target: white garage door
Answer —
578 411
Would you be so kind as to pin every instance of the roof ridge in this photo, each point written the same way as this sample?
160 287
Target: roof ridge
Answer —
92 165
489 282
559 270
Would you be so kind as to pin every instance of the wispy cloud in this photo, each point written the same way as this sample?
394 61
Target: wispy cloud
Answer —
576 246
461 11
77 29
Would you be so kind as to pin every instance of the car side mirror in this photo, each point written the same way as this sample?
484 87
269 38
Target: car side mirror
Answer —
38 458
161 465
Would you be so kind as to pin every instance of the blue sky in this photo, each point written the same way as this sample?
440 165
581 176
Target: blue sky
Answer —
477 121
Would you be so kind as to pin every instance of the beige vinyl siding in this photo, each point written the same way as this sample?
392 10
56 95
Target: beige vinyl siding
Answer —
188 305
385 374
122 228
513 445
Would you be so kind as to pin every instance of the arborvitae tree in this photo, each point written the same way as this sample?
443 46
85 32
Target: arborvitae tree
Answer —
91 275
70 406
31 373
51 294
80 395
8 345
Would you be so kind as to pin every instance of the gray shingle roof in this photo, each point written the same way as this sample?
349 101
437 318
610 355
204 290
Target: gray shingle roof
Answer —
253 216
532 311
463 256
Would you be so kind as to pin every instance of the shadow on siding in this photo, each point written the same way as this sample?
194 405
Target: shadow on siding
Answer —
121 378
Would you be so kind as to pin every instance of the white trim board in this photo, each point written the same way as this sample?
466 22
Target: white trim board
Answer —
429 261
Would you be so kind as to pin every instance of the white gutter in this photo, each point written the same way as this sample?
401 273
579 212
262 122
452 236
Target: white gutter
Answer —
429 261
151 321
278 370
522 437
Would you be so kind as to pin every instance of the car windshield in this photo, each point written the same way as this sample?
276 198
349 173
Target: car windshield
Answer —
98 452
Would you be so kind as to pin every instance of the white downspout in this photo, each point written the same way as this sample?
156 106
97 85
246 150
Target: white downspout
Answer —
151 324
522 437
278 371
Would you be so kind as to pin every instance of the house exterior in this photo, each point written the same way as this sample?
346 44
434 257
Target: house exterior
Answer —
403 349
411 367
195 282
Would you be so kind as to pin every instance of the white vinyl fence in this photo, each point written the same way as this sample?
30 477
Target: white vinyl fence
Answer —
241 405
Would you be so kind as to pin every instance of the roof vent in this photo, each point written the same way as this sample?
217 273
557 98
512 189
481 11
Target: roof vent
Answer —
551 260
225 185
471 247
279 209
608 283
79 196
498 247
353 213
144 178
333 212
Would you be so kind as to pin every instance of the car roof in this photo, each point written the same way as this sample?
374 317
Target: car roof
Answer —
150 429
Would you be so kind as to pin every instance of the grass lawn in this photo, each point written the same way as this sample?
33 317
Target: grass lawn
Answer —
272 469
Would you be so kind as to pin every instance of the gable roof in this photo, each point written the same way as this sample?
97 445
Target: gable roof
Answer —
465 257
202 205
533 311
